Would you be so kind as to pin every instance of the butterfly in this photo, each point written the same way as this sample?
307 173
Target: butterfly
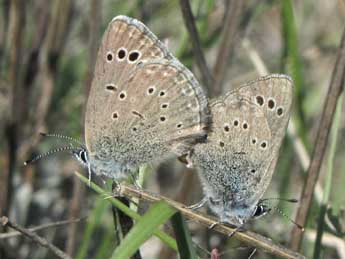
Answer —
143 104
237 161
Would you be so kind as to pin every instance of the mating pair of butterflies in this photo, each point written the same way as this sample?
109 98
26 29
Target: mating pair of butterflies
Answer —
144 105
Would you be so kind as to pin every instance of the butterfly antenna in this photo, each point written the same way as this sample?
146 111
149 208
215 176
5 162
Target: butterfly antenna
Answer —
50 152
288 218
62 137
280 199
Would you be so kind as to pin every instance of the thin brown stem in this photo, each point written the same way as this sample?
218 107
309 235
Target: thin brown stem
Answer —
41 227
248 237
51 50
15 43
232 22
94 27
195 40
34 237
334 91
74 212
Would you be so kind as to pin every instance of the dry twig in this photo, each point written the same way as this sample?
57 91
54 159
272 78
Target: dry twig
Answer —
334 91
41 227
195 40
15 43
34 237
232 22
74 212
248 237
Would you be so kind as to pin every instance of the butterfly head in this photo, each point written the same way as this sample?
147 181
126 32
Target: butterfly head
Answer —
260 210
82 156
79 152
236 214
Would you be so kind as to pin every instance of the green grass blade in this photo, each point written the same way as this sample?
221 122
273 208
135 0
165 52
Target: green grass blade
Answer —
168 240
183 238
293 64
328 182
159 213
93 221
107 245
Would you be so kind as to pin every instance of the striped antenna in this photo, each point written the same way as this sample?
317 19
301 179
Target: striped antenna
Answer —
280 199
281 212
54 135
50 152
288 218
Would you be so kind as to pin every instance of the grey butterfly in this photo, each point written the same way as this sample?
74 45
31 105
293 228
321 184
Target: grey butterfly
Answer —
143 104
239 156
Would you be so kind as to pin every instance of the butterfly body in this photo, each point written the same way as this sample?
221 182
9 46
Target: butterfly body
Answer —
238 158
143 106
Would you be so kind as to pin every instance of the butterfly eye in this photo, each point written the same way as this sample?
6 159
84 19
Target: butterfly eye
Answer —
83 156
260 210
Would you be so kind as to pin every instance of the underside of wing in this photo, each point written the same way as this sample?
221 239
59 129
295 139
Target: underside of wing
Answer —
237 150
248 124
142 98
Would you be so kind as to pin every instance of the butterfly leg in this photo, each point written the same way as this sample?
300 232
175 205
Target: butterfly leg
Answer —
136 182
212 226
198 205
238 228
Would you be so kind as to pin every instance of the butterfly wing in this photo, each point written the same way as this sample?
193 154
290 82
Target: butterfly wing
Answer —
274 95
238 159
143 102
